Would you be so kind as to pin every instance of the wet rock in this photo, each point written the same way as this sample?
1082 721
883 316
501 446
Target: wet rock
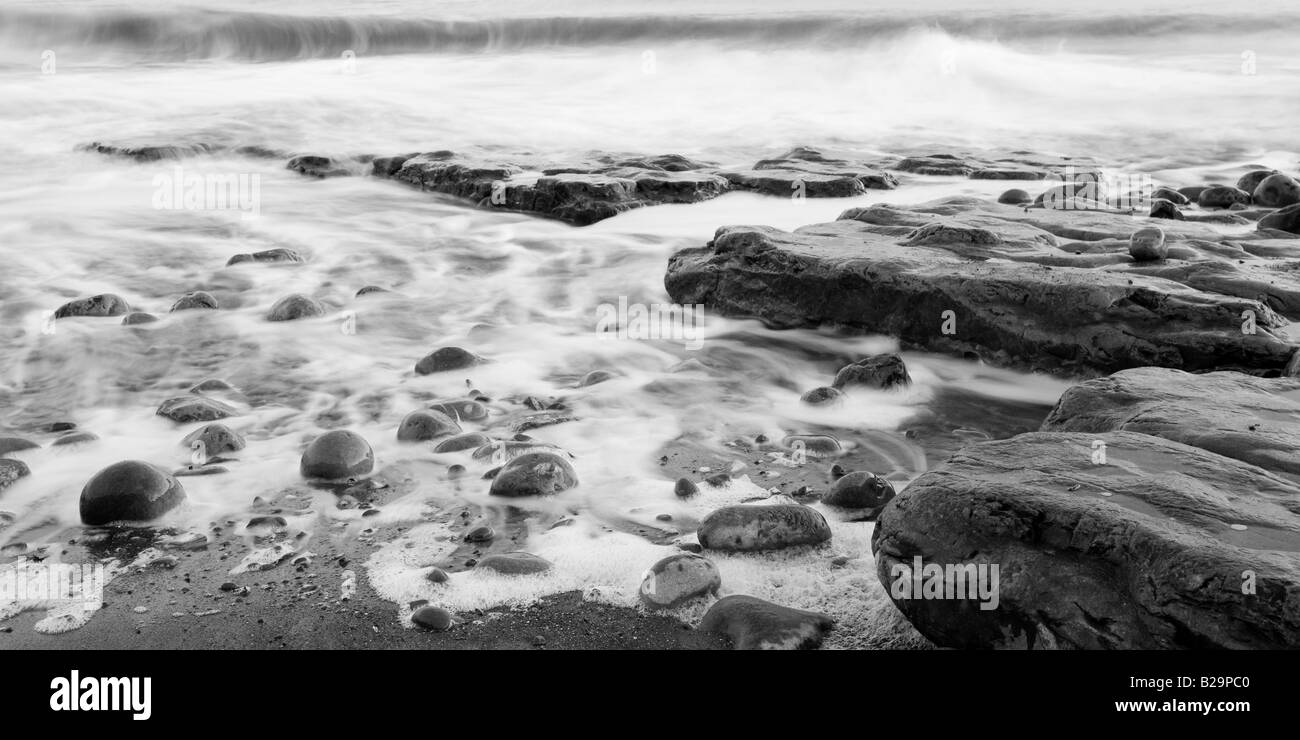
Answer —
460 442
1285 219
293 307
1251 180
807 173
138 317
437 575
367 290
190 408
1193 192
104 304
1277 191
482 533
862 491
1016 196
685 488
197 299
1148 547
190 471
1019 300
336 455
1161 208
594 377
753 624
822 395
16 444
425 424
758 527
1148 243
881 372
267 256
432 618
74 438
213 385
11 471
461 409
129 491
316 166
1221 196
677 579
445 359
217 439
534 474
514 563
1171 195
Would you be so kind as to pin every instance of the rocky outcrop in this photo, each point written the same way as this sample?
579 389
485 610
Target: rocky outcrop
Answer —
750 623
1034 288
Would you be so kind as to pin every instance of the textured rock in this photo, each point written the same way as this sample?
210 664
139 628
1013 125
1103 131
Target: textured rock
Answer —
293 307
104 304
534 474
423 425
753 624
337 455
461 409
129 491
267 256
16 444
953 276
445 359
467 441
217 439
1277 191
189 408
11 471
197 299
1285 219
514 563
1157 544
1147 244
677 579
807 173
1221 196
880 372
432 618
861 491
758 527
138 317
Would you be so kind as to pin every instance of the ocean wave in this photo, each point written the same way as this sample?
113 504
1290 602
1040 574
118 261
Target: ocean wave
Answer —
248 36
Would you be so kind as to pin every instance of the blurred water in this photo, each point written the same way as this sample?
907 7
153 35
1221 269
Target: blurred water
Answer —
1180 91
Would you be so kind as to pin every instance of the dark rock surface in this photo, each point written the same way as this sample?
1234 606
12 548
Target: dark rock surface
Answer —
758 527
753 624
1045 289
129 491
534 474
104 304
195 408
295 306
337 455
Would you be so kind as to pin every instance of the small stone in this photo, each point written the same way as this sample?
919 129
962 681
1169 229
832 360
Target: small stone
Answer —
594 377
74 438
514 563
426 424
881 372
16 444
129 491
11 471
677 579
138 317
270 255
753 624
482 533
367 290
664 518
184 409
534 474
197 299
437 575
446 358
336 455
455 471
432 618
822 395
294 307
1015 197
1148 243
216 439
748 528
104 304
1165 209
1171 195
813 445
461 442
838 471
1221 196
862 491
461 409
685 488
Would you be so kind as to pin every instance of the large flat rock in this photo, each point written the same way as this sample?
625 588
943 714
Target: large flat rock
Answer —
1165 545
1036 288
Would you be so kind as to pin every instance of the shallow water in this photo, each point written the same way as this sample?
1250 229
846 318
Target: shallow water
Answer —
1162 93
